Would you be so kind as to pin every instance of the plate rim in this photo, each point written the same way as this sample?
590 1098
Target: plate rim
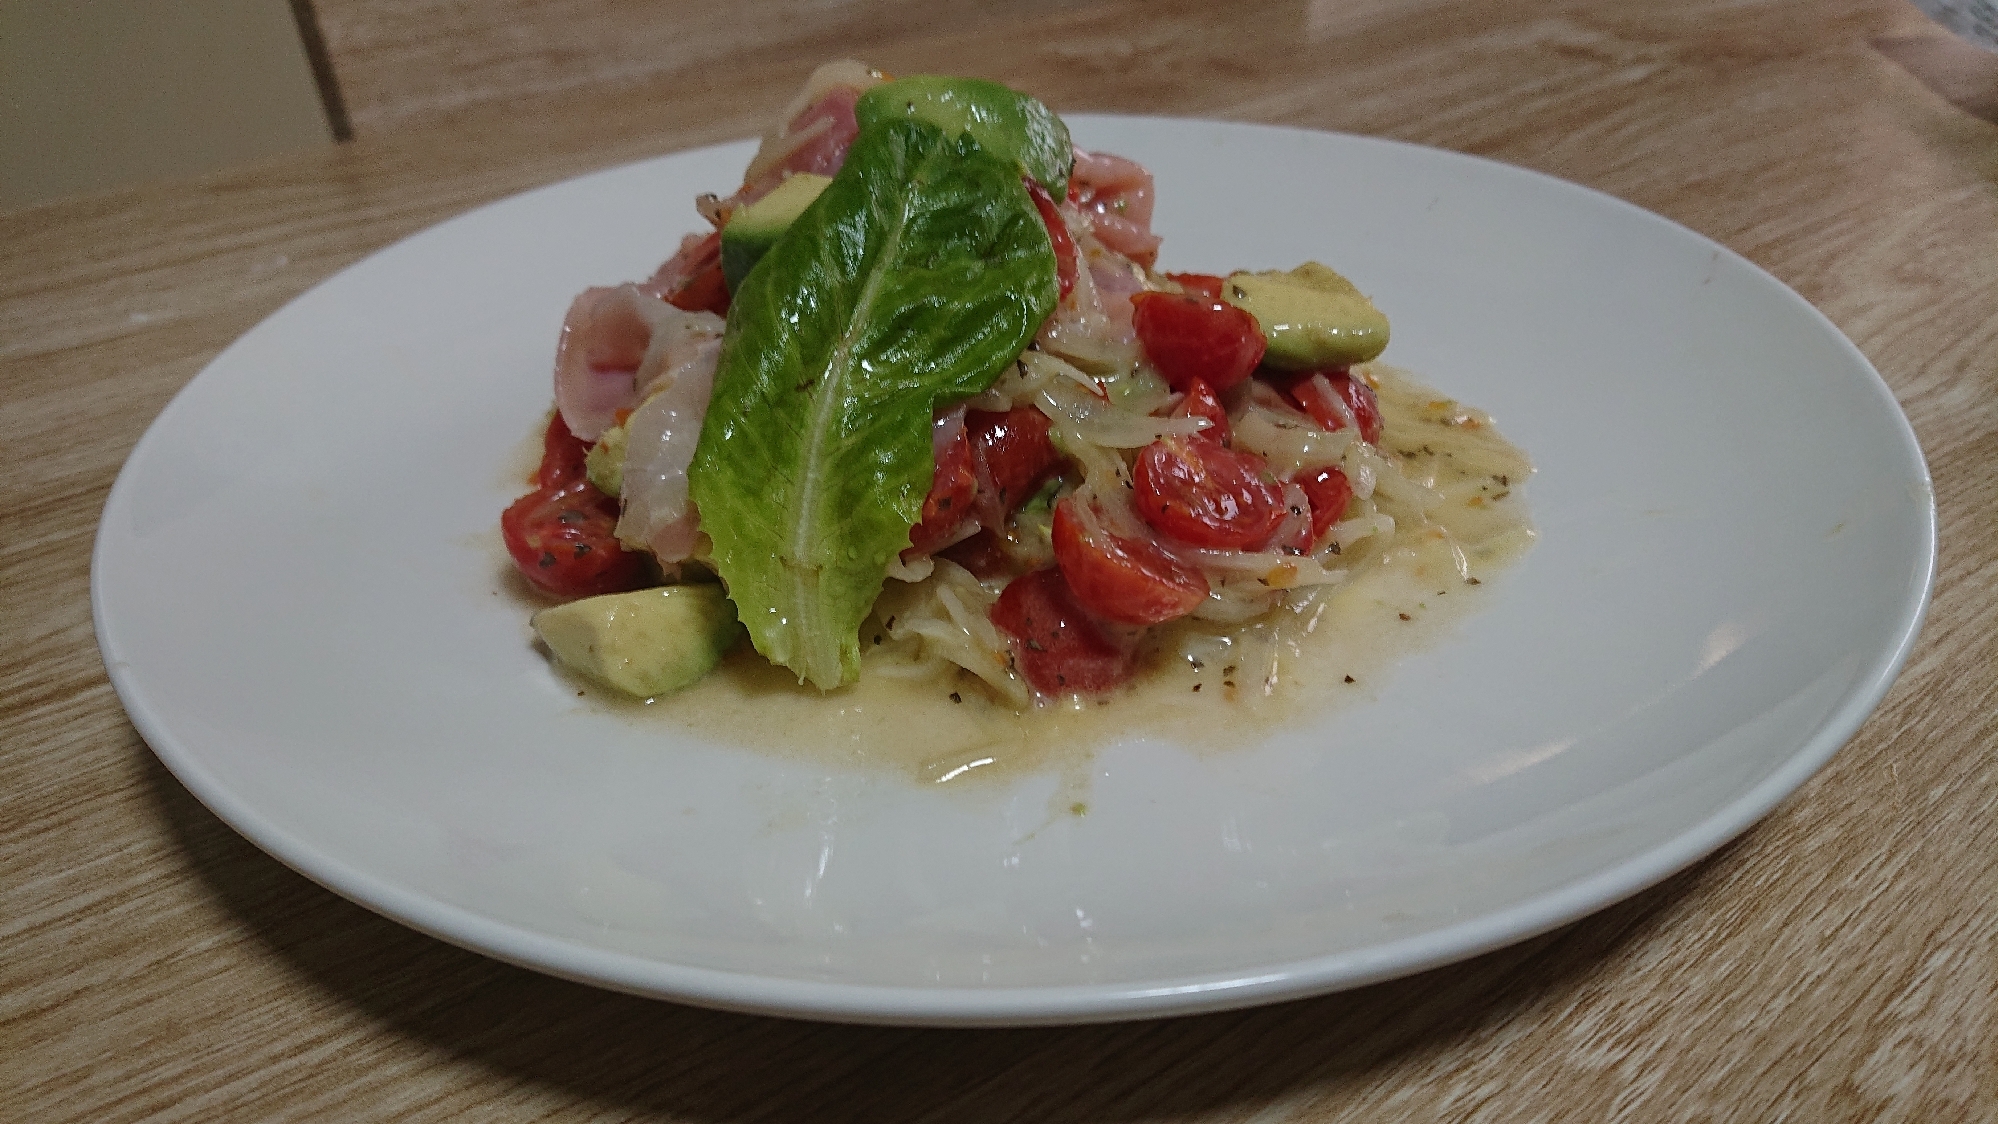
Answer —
1012 1005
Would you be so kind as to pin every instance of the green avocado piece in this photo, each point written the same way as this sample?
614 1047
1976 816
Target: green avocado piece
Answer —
646 642
1004 122
604 463
753 230
1311 317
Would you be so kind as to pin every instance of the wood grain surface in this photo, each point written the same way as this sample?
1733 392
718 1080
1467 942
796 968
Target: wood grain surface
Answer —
1835 963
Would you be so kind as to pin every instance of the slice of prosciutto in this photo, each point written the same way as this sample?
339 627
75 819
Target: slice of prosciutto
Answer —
1115 194
615 343
815 130
812 136
658 448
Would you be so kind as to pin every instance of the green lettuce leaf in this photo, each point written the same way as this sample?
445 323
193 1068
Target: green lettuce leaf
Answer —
919 273
1009 124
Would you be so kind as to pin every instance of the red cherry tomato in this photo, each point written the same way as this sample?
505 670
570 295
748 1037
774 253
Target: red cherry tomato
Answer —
700 286
949 502
1330 493
1204 493
1190 338
563 540
1204 284
1297 541
1201 402
1330 396
1129 581
562 456
1012 454
706 291
1064 246
1057 648
983 554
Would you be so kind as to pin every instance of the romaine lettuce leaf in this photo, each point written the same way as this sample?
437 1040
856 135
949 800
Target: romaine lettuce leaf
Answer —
1009 124
919 273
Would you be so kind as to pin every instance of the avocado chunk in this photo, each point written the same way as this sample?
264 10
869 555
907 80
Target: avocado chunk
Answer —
1311 317
604 463
646 642
753 230
1004 122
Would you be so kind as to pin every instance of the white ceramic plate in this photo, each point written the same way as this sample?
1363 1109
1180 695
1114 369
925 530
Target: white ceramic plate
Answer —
296 597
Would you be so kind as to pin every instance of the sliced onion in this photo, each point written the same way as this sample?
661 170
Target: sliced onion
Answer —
1288 441
910 570
1234 604
951 615
1094 419
1347 534
1387 482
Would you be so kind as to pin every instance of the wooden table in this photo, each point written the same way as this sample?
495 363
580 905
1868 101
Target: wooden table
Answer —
1835 963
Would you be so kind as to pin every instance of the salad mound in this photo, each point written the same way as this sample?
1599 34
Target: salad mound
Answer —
920 402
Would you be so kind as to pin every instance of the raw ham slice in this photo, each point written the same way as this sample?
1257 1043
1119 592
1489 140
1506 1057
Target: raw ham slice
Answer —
659 446
831 124
816 131
1115 194
616 341
1115 283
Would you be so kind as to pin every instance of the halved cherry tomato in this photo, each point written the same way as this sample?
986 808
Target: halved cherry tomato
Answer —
1205 284
562 456
1191 338
1129 581
563 540
949 502
1204 493
1012 453
706 291
1201 402
1066 268
1330 493
1057 647
691 280
1322 394
982 554
1297 540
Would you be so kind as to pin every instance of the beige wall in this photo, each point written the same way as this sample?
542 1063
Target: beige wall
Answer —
96 94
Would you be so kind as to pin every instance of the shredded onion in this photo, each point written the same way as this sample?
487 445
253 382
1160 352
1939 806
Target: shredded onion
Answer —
1287 441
